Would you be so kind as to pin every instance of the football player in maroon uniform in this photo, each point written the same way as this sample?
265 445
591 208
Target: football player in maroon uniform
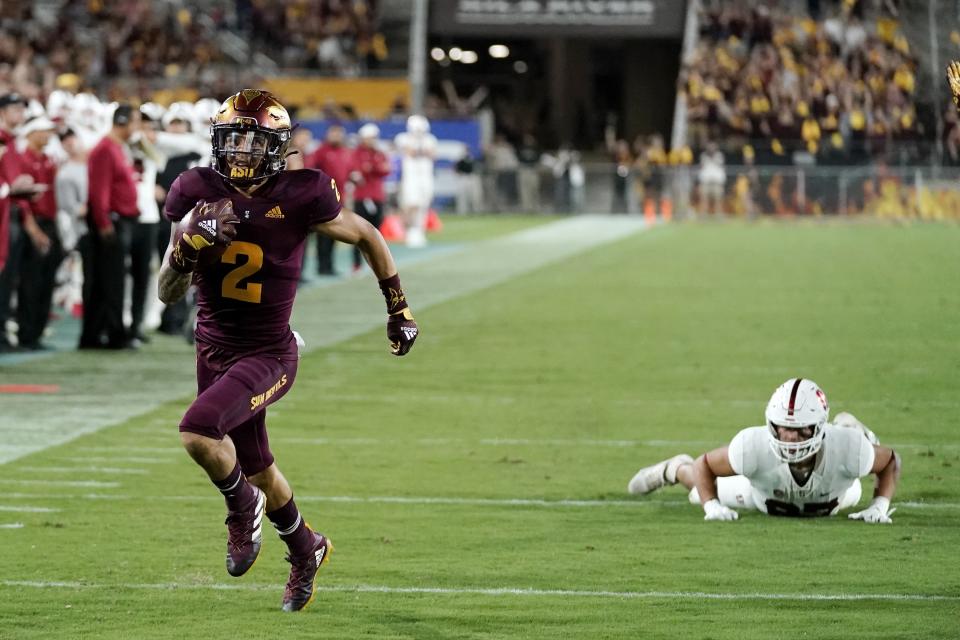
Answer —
240 236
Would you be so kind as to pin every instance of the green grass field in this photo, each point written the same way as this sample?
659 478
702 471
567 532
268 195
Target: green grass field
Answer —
476 488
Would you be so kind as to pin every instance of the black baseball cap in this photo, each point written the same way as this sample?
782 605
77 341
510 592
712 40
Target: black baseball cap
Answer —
8 99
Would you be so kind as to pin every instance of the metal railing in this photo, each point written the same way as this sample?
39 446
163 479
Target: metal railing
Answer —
903 192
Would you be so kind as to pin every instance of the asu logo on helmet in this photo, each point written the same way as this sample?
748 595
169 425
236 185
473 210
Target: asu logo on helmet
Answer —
250 135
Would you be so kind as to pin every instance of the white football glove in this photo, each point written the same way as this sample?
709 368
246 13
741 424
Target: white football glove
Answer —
716 511
876 513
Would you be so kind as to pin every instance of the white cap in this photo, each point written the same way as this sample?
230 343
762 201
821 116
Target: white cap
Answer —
34 110
40 123
369 130
152 111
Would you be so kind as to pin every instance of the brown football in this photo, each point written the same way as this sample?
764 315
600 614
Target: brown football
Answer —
210 255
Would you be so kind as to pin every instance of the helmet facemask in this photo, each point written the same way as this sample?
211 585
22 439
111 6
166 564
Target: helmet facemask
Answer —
246 154
793 452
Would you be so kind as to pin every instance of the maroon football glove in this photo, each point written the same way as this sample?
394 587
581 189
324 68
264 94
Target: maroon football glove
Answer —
402 330
207 225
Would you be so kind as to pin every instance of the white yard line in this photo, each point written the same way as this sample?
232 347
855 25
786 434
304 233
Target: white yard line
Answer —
133 449
104 470
439 500
539 442
12 525
62 483
495 592
27 509
350 307
131 459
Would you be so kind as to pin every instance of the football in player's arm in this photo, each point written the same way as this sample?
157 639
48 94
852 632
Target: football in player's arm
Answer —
240 233
799 464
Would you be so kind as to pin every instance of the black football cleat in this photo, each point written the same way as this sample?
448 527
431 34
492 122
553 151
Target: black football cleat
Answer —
303 574
244 535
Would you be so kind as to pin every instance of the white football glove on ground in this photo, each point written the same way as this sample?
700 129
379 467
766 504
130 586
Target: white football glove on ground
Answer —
876 513
716 511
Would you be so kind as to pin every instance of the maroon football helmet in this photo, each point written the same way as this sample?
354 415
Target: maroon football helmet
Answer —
250 135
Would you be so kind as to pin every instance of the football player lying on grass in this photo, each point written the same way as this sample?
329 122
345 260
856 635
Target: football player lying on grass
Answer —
799 464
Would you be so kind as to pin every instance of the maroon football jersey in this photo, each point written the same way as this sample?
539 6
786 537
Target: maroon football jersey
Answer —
244 300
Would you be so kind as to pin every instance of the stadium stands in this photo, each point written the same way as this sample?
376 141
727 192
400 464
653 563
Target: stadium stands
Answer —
841 87
130 49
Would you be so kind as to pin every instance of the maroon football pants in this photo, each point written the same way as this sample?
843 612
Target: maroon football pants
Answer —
232 399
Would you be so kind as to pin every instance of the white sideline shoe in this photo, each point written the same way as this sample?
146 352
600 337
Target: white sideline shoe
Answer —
659 475
416 238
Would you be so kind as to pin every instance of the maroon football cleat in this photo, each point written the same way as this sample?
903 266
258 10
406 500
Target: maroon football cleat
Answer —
244 535
303 574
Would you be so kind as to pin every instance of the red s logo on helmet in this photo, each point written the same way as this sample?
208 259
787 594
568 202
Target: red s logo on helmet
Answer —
823 399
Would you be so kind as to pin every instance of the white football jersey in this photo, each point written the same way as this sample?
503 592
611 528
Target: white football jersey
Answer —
416 167
846 456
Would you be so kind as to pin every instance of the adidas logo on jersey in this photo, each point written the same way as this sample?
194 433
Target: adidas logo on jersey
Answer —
274 213
210 226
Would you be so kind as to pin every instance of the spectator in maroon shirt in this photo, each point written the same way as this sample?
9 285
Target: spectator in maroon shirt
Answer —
369 167
334 158
111 213
42 252
12 113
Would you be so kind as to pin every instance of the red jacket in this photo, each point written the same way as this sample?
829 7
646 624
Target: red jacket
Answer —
43 171
333 161
9 169
111 187
373 166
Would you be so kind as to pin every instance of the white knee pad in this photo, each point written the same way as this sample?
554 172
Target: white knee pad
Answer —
733 492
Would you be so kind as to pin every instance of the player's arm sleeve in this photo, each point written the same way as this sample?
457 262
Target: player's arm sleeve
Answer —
865 455
99 177
324 203
739 452
178 203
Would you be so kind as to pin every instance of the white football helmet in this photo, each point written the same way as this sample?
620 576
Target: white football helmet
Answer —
182 111
418 124
369 131
59 103
204 110
798 403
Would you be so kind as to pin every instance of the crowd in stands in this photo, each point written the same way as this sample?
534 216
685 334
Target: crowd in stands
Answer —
127 48
839 84
336 36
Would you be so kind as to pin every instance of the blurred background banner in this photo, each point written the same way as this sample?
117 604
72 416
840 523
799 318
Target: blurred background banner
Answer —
631 18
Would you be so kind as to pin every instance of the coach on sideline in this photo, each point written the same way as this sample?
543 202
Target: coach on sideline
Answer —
111 213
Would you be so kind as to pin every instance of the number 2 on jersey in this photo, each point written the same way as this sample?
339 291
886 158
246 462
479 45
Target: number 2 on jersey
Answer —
232 287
